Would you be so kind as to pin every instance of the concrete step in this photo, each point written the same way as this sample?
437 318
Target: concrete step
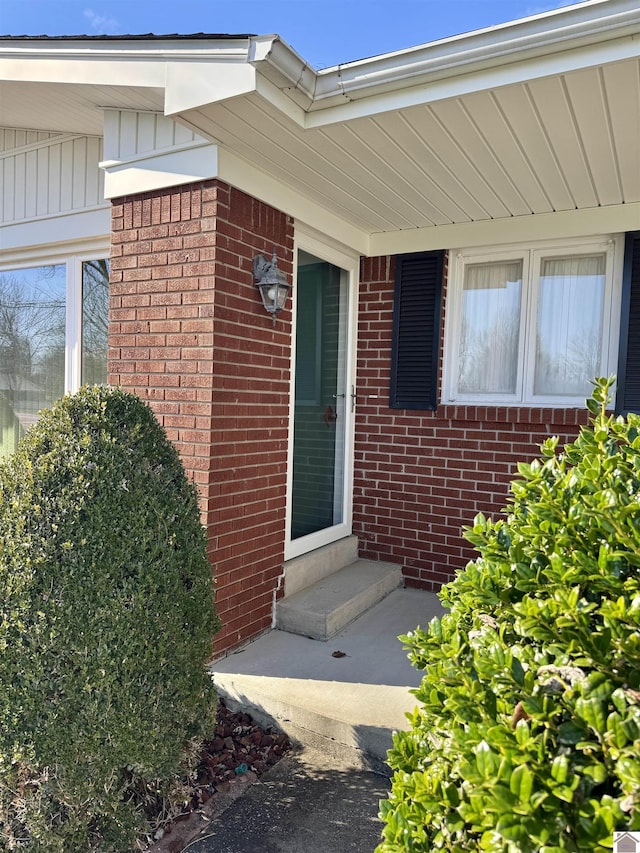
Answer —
345 705
322 610
299 708
304 571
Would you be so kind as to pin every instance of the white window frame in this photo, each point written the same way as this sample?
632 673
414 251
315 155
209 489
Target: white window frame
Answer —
73 255
531 255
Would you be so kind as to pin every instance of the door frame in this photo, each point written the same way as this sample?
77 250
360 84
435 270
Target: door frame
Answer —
340 256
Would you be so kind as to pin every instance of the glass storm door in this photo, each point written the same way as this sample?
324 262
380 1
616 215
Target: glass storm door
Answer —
322 404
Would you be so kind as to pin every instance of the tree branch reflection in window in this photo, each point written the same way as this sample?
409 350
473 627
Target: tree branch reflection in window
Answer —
95 321
32 346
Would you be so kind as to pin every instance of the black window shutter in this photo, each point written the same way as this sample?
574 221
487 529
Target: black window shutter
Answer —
628 394
416 330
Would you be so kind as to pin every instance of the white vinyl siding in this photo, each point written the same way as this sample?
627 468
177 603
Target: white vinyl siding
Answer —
130 134
49 177
17 137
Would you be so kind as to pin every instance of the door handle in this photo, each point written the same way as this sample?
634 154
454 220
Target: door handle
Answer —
352 395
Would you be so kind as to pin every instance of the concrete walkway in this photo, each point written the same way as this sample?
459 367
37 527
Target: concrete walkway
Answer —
323 797
307 803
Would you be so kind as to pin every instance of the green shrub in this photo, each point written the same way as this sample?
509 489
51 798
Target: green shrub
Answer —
107 622
529 735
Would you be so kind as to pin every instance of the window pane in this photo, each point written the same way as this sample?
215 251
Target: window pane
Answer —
488 358
32 347
569 327
95 316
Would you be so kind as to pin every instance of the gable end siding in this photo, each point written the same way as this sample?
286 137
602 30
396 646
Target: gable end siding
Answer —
416 331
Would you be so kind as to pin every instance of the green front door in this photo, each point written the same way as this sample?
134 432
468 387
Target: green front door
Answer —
322 404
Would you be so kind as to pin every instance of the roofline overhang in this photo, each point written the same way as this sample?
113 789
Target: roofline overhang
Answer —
114 62
569 27
565 39
577 36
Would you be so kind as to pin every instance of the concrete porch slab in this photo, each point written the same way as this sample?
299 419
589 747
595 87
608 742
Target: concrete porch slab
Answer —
351 703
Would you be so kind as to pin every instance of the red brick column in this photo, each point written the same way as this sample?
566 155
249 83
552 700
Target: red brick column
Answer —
421 476
189 335
251 364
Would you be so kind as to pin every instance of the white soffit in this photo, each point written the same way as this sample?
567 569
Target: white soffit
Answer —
70 107
555 144
259 183
536 118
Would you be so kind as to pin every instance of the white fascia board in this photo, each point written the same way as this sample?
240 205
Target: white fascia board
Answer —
157 170
248 178
191 71
270 67
190 85
98 71
57 230
551 32
439 88
130 62
518 229
135 48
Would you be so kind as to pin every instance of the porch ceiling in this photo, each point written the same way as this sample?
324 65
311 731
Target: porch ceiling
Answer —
70 107
558 143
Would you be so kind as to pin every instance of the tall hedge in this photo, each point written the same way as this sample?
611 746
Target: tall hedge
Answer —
107 621
528 738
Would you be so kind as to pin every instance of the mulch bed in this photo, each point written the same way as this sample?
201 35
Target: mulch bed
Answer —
237 754
239 744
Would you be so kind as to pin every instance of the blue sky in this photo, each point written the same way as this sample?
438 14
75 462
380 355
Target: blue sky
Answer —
324 32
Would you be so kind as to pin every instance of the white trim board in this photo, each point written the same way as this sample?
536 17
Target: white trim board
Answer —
517 229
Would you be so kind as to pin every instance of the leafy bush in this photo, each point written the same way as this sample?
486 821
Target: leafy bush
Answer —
529 735
107 620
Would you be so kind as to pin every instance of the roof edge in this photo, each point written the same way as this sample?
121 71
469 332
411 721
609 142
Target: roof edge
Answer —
536 36
131 37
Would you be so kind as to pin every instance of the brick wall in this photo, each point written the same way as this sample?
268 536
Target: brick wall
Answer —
188 333
421 476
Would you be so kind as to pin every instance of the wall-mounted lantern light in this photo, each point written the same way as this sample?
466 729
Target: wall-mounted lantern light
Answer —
272 284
